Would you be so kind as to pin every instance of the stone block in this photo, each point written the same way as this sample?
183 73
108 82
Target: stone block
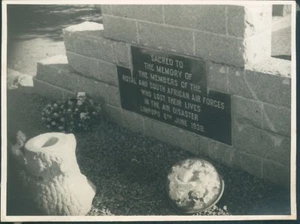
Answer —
209 18
221 49
118 28
166 37
248 20
217 77
113 113
95 47
151 13
276 173
261 143
122 52
93 68
247 111
257 48
56 71
84 65
105 9
80 39
260 86
270 88
287 9
194 143
84 26
92 43
106 93
47 90
277 119
191 142
133 121
281 10
69 40
250 163
273 66
278 24
236 20
220 152
238 84
258 19
248 41
124 118
57 59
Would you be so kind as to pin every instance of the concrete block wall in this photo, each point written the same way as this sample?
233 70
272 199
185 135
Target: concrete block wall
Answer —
229 34
260 95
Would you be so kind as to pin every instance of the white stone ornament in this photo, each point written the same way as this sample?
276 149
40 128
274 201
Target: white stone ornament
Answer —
194 185
58 186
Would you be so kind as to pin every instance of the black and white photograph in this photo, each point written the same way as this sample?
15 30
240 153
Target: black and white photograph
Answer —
158 111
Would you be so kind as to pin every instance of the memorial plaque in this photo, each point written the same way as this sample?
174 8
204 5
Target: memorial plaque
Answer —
173 89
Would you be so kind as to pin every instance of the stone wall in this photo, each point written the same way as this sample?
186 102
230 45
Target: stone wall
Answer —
235 46
224 34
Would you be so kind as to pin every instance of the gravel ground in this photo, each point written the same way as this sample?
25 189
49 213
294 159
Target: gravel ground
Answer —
129 170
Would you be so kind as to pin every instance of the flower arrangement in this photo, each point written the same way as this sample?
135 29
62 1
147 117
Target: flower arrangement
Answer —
194 185
71 115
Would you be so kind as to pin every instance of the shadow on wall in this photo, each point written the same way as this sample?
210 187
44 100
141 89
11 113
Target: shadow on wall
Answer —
281 35
27 22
